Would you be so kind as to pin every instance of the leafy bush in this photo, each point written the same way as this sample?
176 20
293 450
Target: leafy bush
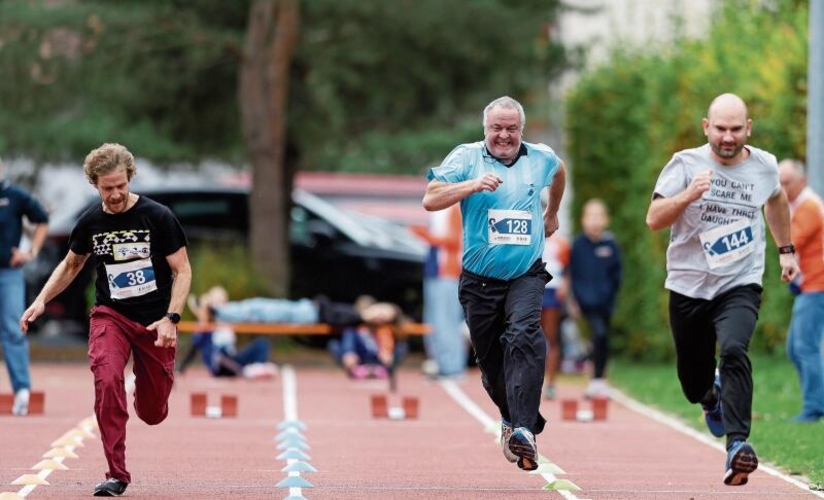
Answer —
228 266
626 119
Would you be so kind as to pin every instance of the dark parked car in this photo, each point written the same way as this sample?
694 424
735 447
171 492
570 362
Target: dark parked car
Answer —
333 252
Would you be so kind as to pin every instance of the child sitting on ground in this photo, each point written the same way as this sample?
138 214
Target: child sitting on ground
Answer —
368 350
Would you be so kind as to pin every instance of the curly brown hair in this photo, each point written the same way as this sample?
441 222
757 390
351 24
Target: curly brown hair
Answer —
106 159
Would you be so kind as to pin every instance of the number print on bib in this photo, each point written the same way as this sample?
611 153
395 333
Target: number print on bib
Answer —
510 227
727 244
131 279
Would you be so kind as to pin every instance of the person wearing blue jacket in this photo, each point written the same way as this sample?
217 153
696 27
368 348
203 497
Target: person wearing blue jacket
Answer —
17 205
595 275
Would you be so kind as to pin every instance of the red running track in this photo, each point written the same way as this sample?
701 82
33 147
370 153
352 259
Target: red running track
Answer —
447 453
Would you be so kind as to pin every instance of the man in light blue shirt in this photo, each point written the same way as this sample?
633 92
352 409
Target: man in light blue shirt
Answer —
498 183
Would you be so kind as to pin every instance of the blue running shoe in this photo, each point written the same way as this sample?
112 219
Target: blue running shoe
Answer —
741 461
713 415
522 444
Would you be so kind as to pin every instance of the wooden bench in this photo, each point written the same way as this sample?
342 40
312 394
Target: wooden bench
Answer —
291 328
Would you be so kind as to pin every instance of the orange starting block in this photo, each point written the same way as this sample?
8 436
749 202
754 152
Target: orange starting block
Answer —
408 409
199 406
597 411
37 403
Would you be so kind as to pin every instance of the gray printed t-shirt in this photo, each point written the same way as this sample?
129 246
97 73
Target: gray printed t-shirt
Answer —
718 242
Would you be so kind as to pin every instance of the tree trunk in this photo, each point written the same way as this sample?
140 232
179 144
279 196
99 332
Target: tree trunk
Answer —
271 36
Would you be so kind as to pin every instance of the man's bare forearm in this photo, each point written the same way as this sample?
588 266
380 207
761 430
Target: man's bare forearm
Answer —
440 195
663 212
62 276
777 213
556 190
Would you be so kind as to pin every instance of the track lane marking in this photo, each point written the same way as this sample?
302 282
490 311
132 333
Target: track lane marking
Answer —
488 422
290 414
677 425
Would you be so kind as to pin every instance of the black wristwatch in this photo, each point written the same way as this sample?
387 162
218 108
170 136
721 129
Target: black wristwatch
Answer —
173 317
787 249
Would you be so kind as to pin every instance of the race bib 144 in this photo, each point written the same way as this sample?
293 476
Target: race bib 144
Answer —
727 244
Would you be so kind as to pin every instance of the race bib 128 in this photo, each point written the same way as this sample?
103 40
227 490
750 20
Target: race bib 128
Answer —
510 227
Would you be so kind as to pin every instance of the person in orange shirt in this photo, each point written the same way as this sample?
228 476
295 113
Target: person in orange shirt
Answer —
556 257
446 345
807 324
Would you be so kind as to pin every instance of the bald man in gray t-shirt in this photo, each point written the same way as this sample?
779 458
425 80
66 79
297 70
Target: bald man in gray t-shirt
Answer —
712 198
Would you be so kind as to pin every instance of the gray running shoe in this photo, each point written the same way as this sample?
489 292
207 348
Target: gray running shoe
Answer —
506 433
522 444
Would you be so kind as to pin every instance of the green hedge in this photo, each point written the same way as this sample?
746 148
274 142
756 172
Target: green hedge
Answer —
627 118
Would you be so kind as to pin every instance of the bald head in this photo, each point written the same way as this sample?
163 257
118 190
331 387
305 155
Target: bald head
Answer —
727 128
727 104
793 178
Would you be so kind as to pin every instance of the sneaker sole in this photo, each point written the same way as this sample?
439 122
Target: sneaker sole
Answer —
525 453
742 465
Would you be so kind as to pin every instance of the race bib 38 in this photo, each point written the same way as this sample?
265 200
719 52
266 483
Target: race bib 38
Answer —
131 279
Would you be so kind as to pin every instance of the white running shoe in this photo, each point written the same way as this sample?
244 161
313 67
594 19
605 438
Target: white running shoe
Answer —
21 403
597 388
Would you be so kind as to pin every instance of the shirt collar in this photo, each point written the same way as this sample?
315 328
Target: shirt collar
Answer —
522 151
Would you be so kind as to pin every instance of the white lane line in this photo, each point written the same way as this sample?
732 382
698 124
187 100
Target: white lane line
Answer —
43 474
677 425
290 414
487 422
290 393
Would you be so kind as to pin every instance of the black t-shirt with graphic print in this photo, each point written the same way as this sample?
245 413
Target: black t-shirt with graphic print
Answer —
129 251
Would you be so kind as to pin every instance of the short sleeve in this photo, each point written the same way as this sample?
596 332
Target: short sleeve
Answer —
175 238
672 179
454 168
79 240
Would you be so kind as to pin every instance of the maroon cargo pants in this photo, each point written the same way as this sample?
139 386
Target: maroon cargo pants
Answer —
112 339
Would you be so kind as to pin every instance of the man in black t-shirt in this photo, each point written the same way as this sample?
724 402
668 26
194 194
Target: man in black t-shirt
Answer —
143 279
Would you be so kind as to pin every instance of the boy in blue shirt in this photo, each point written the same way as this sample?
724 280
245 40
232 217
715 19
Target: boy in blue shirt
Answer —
595 275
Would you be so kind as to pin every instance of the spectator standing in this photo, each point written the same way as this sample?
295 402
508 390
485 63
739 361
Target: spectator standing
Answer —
143 278
712 197
804 341
595 277
442 309
16 205
556 257
498 182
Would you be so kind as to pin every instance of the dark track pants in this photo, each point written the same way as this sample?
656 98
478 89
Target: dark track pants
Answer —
728 320
504 319
113 338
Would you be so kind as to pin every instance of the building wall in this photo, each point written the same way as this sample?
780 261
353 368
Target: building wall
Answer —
600 26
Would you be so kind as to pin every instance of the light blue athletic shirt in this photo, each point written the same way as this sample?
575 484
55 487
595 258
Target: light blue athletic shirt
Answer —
503 229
